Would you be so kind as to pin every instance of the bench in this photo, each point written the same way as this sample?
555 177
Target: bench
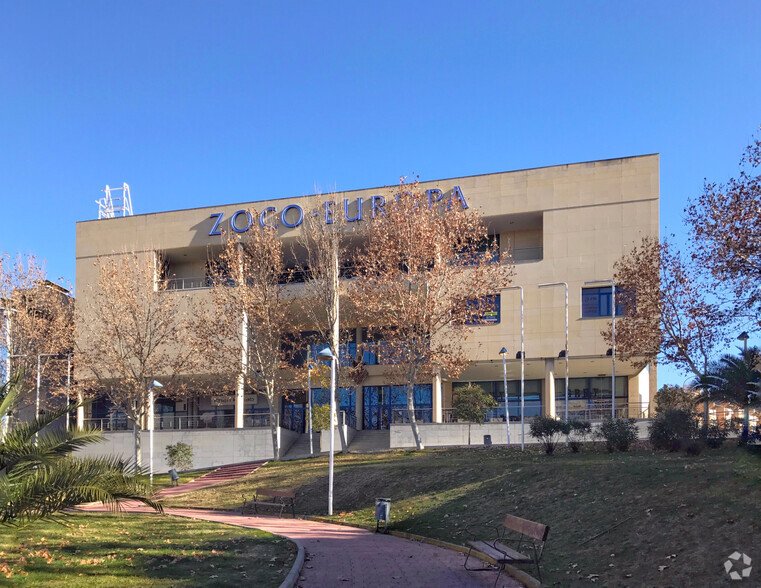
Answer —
529 539
271 498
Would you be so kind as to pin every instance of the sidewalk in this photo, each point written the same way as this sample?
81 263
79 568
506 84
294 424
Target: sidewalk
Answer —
349 557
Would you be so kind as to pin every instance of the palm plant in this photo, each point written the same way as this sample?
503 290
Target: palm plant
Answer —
734 379
40 479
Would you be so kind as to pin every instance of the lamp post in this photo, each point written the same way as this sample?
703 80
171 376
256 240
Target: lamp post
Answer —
744 338
150 425
503 353
309 396
746 413
523 357
612 341
68 387
565 351
327 354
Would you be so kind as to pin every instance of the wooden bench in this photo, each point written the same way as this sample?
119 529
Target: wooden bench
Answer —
271 498
529 539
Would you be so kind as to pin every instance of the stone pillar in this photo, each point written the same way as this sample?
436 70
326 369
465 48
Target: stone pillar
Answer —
548 390
80 413
240 404
639 393
359 399
437 397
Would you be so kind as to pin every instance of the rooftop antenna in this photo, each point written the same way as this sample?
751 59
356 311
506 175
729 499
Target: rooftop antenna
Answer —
111 206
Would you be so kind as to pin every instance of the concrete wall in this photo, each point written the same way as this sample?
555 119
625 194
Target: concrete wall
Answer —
452 434
325 438
210 447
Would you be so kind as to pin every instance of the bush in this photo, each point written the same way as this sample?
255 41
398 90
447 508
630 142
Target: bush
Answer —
673 428
321 417
618 433
714 436
580 432
548 430
179 456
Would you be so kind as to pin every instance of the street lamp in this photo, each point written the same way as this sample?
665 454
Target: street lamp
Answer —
503 353
744 338
309 396
326 354
564 353
150 424
523 357
612 341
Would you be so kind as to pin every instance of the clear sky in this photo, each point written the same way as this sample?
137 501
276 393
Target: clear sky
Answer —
203 103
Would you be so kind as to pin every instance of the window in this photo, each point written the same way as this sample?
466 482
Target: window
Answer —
595 302
485 311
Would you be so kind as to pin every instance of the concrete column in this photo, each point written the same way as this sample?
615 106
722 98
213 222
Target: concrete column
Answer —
639 393
240 403
359 411
437 397
548 390
80 413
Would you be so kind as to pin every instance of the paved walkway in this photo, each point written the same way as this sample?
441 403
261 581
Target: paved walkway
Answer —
348 557
218 476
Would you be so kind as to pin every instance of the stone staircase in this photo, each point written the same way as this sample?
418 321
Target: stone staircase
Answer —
370 441
300 449
217 476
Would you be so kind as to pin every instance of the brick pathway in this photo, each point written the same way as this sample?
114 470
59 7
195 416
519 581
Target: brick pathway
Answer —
217 476
347 557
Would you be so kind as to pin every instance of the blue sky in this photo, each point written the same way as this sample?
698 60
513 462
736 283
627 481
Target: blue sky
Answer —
201 103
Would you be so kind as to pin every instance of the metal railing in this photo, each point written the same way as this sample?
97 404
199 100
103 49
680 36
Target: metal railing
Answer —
402 415
178 423
194 283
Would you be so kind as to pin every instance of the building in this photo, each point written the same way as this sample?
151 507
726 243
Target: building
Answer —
566 223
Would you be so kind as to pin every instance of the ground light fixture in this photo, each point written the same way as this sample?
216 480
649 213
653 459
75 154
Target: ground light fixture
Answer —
612 342
326 354
503 353
157 384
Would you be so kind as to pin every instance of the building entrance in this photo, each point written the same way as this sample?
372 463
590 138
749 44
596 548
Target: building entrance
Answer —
384 405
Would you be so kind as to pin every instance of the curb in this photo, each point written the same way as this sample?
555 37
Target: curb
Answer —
293 575
520 575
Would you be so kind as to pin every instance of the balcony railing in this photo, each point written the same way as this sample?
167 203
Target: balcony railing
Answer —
170 423
195 283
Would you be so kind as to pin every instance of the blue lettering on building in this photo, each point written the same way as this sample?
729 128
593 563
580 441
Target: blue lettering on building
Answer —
269 216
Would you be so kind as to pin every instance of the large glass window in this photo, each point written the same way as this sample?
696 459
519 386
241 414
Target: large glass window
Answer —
532 396
591 388
384 405
595 302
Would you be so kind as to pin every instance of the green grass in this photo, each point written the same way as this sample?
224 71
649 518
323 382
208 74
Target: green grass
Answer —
94 550
682 516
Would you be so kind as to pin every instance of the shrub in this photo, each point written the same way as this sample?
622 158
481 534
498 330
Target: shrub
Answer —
321 417
693 447
672 429
548 430
179 456
580 432
471 404
618 433
714 436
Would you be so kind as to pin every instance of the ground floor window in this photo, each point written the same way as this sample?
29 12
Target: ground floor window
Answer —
532 396
294 414
384 405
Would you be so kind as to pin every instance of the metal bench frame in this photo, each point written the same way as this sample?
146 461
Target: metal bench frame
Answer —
526 535
279 499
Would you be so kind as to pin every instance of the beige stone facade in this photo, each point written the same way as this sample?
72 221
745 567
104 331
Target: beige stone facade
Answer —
566 223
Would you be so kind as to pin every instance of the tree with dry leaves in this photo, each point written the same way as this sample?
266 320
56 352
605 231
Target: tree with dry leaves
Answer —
36 328
322 256
725 222
667 310
428 276
130 331
253 316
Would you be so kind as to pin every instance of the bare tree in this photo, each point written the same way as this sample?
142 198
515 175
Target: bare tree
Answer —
130 331
667 310
253 317
725 223
36 326
429 274
322 257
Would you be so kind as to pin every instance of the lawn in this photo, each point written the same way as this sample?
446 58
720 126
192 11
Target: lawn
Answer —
99 550
624 519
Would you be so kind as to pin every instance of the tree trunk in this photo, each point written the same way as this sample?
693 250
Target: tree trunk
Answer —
274 431
411 413
138 452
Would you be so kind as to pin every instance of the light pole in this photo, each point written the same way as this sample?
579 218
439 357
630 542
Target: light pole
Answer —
523 357
150 425
68 387
309 396
326 354
746 413
565 351
612 342
744 338
503 353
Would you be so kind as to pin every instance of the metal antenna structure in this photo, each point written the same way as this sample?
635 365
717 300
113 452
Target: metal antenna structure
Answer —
111 206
